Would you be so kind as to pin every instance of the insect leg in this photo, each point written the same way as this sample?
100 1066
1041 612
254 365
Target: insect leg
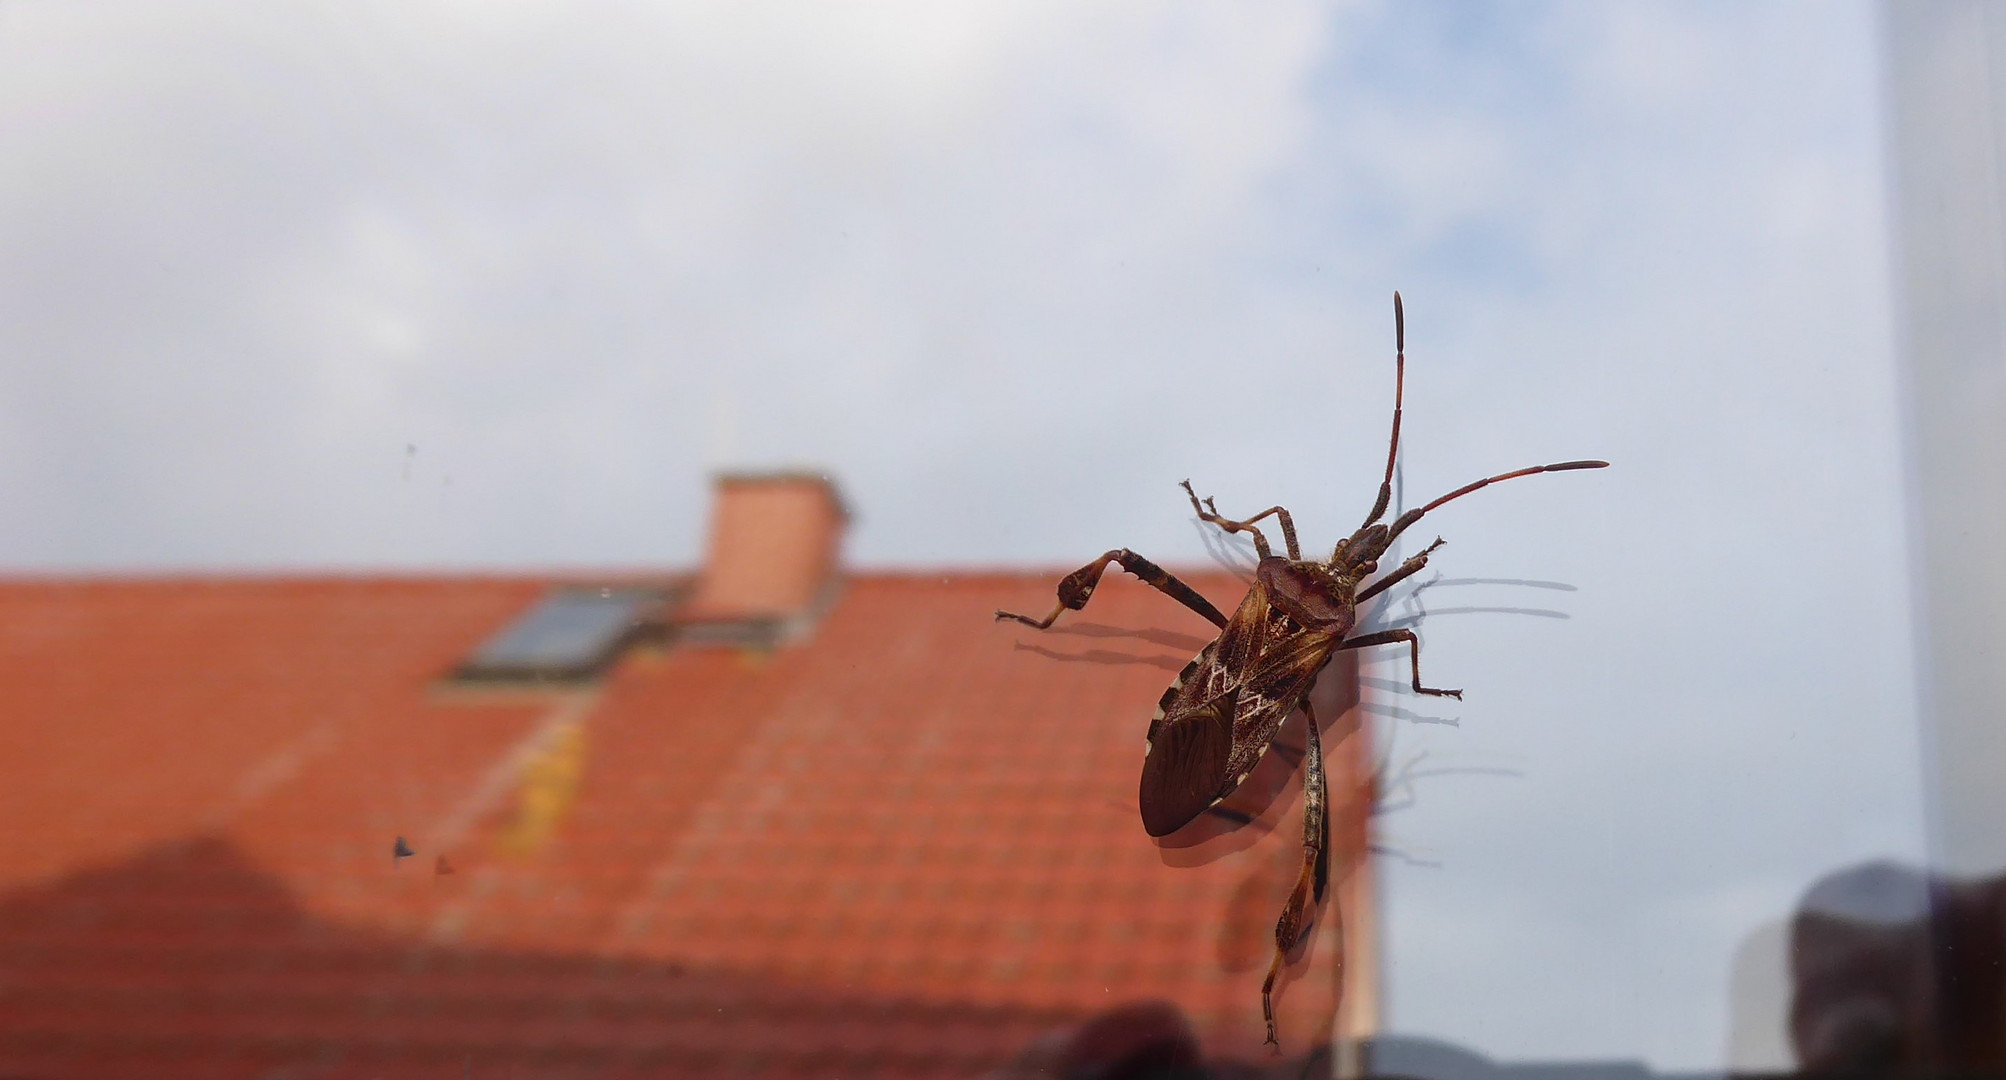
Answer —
1210 513
1313 881
1075 588
1388 637
1407 569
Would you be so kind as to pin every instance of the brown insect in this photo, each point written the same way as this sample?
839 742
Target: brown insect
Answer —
1216 721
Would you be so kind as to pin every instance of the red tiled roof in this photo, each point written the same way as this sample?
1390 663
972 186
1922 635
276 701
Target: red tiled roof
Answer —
908 846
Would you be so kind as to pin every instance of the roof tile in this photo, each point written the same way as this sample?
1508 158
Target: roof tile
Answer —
907 846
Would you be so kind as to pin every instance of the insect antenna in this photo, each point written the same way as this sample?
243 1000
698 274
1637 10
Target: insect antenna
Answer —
1410 517
1399 392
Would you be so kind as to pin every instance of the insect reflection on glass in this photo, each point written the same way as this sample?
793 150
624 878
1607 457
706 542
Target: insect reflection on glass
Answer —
1216 721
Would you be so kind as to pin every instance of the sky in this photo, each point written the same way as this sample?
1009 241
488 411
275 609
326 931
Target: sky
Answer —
440 285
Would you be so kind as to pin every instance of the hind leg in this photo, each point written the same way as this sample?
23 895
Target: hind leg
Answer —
1077 587
1314 879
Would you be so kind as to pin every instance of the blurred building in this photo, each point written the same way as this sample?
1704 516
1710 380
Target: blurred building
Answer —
764 819
1930 993
1947 87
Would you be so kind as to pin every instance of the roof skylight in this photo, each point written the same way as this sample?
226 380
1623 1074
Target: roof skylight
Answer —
571 634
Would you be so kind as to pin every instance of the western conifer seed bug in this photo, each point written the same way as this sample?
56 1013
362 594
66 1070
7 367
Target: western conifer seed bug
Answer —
1216 721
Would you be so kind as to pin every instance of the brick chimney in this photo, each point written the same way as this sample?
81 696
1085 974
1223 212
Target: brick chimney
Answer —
773 565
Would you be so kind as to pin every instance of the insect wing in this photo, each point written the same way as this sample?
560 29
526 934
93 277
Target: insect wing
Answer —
1287 670
1186 764
1275 687
1240 644
1191 740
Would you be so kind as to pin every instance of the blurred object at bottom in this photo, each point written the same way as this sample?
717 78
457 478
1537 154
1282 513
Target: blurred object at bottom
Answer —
1895 972
1146 1039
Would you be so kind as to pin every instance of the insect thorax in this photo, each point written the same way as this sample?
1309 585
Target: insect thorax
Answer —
1312 594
